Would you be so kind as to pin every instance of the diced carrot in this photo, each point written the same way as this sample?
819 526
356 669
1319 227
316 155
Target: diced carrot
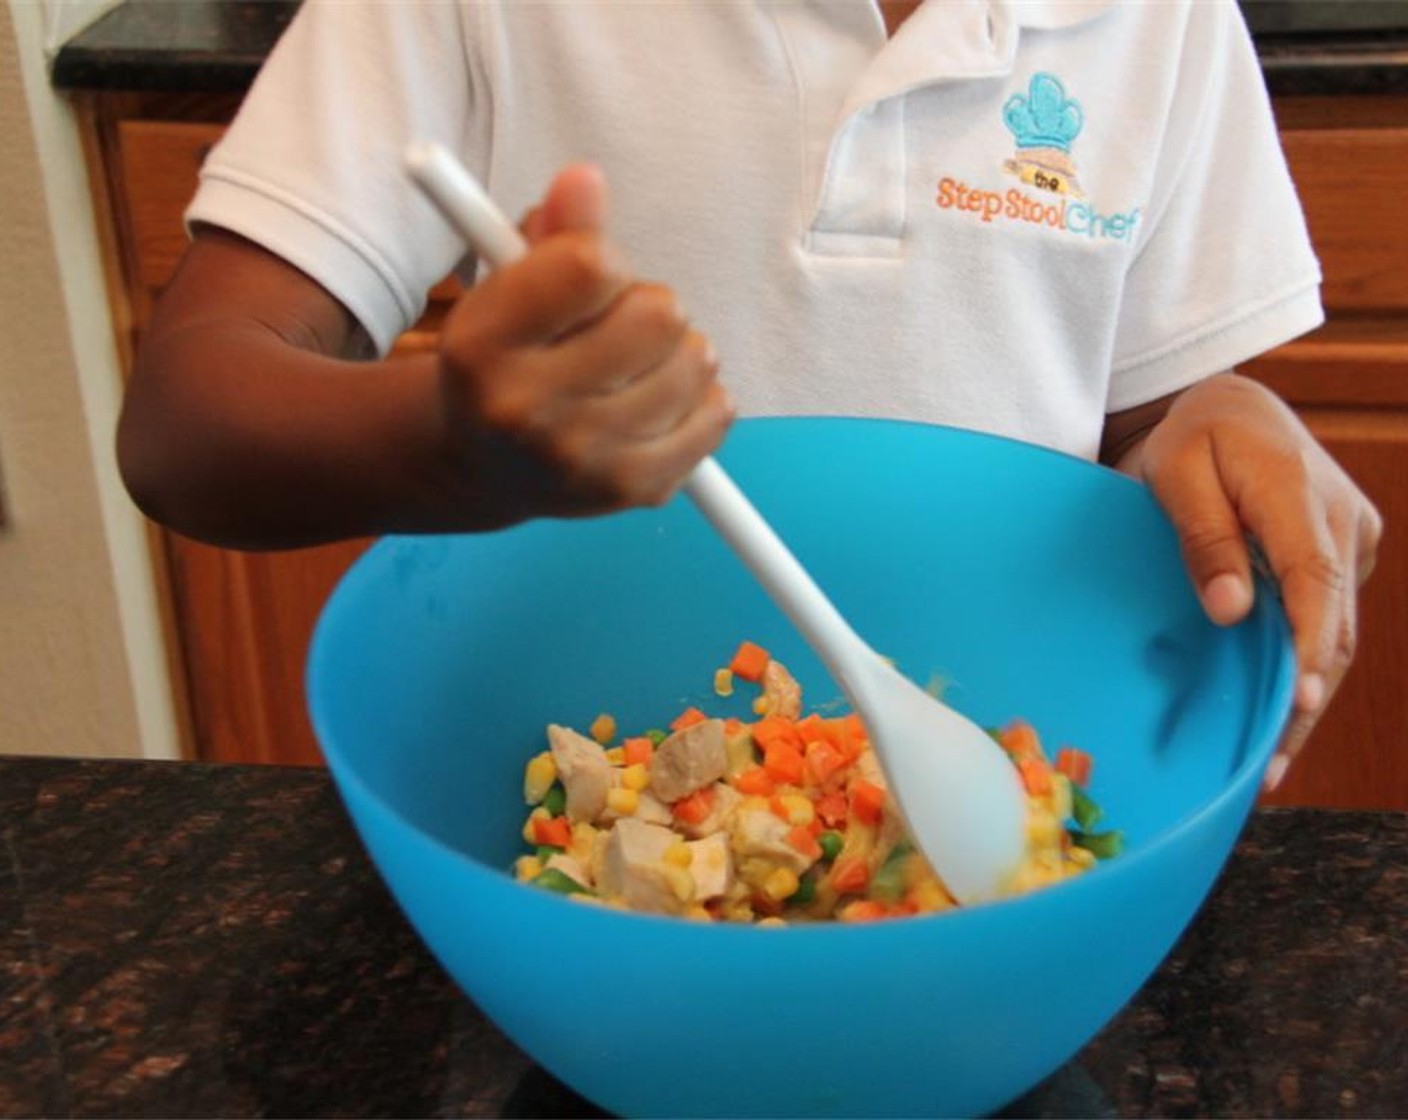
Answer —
755 782
831 809
824 760
1020 740
749 661
802 839
1036 775
810 727
637 750
784 763
554 832
687 718
867 800
1075 763
863 910
850 874
696 807
855 728
776 729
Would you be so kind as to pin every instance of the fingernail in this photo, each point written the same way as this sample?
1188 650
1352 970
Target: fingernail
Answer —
1275 771
1310 692
1227 596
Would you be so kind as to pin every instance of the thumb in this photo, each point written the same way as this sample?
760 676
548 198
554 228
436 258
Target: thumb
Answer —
576 200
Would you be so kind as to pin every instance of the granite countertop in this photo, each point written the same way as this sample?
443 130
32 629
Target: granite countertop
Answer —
181 939
217 46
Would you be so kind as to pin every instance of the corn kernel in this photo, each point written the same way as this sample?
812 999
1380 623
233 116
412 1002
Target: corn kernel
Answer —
538 777
537 814
772 923
1083 858
755 871
583 832
738 912
1043 829
635 776
678 854
527 867
723 682
1061 796
762 706
603 728
697 912
681 882
930 896
616 756
622 801
782 883
800 810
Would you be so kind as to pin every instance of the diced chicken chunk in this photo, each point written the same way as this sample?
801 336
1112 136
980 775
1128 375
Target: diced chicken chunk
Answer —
633 866
782 695
726 799
761 832
584 770
688 760
652 810
711 864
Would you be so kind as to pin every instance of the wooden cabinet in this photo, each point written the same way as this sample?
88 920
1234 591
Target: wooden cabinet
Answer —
241 622
238 623
1349 381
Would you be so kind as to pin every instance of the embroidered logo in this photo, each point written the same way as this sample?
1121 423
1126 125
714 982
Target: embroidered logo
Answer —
1044 122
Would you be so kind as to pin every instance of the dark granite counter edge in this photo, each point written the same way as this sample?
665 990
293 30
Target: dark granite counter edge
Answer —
144 46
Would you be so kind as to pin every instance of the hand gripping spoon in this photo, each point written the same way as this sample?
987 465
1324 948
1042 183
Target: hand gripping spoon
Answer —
958 791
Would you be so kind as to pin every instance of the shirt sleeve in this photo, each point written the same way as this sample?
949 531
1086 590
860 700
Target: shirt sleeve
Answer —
312 166
1224 268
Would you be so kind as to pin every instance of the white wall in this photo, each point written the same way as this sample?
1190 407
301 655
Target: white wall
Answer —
63 19
82 666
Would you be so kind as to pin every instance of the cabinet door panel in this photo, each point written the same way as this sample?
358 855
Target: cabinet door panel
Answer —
1351 185
245 621
160 166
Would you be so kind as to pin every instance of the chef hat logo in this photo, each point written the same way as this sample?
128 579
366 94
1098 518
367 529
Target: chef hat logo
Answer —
1045 117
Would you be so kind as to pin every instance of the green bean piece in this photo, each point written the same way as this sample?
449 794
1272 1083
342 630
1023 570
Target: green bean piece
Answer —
552 879
555 800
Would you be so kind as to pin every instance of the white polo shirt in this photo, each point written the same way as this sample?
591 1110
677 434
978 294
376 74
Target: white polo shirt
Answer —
1014 217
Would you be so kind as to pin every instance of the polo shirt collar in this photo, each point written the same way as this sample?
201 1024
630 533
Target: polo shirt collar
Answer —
954 40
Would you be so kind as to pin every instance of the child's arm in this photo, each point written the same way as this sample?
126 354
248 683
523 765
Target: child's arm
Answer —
1226 457
563 387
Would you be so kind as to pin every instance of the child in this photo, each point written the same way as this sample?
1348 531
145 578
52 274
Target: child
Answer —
1059 220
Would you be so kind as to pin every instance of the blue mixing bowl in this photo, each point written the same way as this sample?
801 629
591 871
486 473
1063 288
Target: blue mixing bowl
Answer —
1031 584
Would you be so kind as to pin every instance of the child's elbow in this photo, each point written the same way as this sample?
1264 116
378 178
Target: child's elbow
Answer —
141 458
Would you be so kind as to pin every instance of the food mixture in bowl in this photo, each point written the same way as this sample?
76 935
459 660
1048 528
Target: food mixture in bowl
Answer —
783 819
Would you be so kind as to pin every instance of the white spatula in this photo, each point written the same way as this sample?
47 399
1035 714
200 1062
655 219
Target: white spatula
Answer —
957 789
